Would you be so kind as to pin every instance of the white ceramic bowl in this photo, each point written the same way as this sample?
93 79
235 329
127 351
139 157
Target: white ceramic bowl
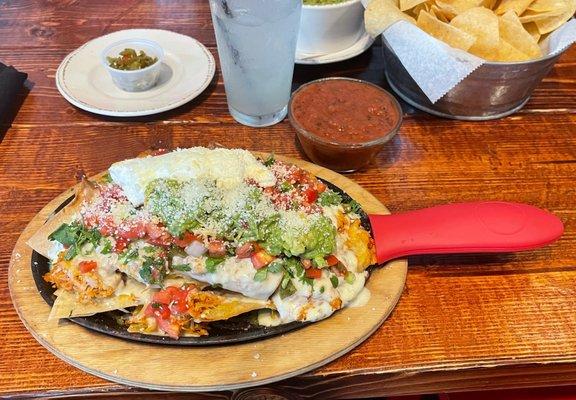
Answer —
330 28
136 80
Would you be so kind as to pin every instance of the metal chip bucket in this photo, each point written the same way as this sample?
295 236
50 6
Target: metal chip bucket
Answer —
494 90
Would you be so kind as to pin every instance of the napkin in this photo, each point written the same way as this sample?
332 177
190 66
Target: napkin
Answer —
11 89
437 68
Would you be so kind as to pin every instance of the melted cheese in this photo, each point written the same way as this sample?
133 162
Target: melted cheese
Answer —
228 167
319 302
233 274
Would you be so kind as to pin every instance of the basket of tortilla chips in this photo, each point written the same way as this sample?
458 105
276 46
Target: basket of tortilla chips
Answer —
470 59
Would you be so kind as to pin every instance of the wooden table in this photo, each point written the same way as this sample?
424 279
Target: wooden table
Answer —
464 322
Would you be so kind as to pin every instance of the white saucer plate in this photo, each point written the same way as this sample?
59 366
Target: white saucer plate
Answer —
187 69
357 48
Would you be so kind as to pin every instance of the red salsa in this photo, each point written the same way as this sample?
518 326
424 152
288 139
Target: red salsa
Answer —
345 111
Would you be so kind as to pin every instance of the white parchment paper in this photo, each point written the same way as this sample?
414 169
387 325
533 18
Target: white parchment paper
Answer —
437 68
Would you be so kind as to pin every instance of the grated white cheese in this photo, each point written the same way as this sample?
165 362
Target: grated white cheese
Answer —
228 167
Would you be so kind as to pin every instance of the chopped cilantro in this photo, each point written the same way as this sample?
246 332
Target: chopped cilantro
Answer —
151 265
329 198
276 267
286 187
128 255
181 267
269 161
322 289
334 281
107 247
212 262
146 273
353 206
71 253
149 249
75 236
176 251
261 274
285 280
287 290
65 234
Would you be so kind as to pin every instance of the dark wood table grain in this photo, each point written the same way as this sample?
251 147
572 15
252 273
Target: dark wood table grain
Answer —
464 322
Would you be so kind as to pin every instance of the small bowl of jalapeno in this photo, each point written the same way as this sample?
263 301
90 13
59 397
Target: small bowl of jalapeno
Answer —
133 64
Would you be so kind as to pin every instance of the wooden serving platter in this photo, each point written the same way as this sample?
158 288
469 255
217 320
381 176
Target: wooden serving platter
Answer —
207 368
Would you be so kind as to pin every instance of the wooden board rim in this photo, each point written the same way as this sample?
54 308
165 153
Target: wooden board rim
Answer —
35 317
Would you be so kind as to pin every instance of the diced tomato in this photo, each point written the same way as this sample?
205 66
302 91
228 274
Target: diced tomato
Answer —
332 260
298 176
87 266
158 310
311 195
171 329
271 191
91 221
106 225
185 240
306 263
261 258
158 235
246 250
131 230
121 245
313 273
320 186
179 305
216 248
165 295
162 297
174 298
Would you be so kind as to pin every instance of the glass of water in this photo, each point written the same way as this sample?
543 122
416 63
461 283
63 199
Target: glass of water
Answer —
256 45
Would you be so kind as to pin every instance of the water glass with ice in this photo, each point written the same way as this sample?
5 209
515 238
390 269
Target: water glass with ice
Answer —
256 45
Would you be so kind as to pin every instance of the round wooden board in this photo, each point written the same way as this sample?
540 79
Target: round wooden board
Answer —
207 368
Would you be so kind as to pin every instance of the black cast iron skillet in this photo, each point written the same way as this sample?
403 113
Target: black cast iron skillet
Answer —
239 329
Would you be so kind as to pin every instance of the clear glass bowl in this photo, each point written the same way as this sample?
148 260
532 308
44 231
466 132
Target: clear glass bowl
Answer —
342 157
136 80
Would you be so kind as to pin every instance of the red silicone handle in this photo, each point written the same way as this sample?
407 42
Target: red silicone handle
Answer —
479 227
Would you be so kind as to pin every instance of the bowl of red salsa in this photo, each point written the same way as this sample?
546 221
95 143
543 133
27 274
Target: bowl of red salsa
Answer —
342 123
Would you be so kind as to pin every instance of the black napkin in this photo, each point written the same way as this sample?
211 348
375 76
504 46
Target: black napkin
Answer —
11 94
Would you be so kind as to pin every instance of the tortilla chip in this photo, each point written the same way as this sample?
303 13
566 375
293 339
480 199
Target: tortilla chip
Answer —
541 6
508 53
440 14
532 29
518 6
127 294
456 7
420 7
489 4
552 23
408 4
39 241
512 32
214 306
449 34
381 14
532 16
483 25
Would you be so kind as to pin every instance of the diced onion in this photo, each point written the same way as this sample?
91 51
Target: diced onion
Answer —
195 249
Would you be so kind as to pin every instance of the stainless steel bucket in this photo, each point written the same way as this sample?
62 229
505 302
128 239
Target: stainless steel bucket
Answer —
494 90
